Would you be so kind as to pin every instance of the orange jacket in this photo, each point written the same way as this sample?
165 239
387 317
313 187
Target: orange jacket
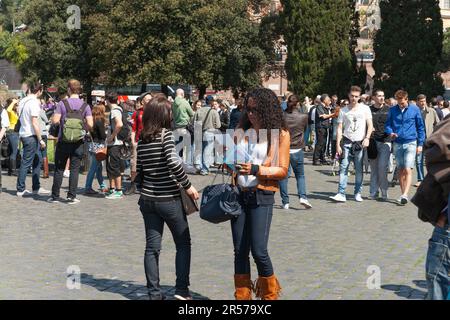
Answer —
276 165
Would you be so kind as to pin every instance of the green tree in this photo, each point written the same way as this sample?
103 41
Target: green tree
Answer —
445 60
180 41
317 34
57 52
408 47
9 14
12 48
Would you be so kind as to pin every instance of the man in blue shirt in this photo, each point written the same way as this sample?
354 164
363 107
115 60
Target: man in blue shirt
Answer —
405 127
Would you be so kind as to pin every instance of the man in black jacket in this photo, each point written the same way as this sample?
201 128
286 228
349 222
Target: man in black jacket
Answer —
323 125
379 165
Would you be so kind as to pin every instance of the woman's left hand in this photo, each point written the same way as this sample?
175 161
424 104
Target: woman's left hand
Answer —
246 169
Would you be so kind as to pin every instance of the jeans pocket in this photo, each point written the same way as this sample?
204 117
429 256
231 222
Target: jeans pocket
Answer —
265 197
435 259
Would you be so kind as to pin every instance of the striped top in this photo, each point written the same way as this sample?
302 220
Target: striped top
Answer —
161 169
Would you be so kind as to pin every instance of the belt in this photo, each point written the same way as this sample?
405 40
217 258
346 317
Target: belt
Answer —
248 189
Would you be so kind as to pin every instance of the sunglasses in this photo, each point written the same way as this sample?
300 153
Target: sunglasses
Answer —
251 110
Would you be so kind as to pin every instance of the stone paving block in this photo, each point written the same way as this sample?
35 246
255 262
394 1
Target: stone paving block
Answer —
322 253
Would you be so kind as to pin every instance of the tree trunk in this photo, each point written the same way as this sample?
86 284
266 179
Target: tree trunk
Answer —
88 90
143 87
165 89
201 92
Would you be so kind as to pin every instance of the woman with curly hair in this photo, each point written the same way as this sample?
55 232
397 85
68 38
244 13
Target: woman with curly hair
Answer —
265 140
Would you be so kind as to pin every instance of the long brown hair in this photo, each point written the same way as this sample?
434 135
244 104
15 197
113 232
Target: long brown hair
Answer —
98 113
292 103
268 109
157 115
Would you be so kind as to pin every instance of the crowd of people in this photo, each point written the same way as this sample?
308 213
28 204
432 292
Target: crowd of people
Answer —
363 130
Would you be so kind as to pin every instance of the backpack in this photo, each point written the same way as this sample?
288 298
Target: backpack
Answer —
125 132
73 130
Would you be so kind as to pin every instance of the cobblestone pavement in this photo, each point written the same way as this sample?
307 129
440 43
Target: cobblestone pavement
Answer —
323 253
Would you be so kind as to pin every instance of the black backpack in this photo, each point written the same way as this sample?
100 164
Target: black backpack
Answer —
125 132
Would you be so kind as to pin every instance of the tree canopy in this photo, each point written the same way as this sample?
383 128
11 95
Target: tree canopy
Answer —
318 37
408 47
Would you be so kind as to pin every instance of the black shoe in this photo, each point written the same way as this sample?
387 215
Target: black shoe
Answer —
317 164
157 297
130 190
325 163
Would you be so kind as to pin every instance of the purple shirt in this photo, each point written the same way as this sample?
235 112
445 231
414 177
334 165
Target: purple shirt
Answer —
75 104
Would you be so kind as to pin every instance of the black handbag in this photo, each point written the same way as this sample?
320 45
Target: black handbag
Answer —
5 149
190 206
220 203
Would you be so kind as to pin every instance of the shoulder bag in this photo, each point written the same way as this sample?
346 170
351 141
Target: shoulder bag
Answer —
220 202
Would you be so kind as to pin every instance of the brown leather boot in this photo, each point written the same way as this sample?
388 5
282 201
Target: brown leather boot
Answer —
45 175
244 287
267 288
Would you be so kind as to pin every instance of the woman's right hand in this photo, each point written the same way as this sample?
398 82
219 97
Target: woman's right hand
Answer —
192 192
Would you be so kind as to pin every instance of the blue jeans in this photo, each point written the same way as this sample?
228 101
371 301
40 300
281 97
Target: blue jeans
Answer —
357 159
419 166
251 232
297 164
96 169
31 157
13 139
155 214
379 169
438 264
208 154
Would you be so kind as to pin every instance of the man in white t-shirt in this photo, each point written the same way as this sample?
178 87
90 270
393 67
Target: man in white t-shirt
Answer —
30 136
354 129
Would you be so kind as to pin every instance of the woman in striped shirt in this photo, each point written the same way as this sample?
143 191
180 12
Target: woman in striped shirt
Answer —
161 174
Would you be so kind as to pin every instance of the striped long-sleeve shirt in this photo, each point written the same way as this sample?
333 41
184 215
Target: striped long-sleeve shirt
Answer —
161 169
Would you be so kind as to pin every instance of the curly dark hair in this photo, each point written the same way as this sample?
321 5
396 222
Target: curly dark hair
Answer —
268 110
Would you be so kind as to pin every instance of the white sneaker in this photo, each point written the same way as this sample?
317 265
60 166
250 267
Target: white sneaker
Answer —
286 206
23 193
339 198
72 201
66 173
41 191
403 200
358 197
305 203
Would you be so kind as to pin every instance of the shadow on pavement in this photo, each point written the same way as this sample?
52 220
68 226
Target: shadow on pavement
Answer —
130 289
406 291
421 284
321 195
